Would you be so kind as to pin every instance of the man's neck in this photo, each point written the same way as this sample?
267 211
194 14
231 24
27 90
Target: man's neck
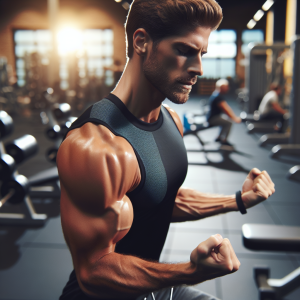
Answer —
141 98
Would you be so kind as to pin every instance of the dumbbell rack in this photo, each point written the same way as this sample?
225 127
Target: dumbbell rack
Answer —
30 217
20 210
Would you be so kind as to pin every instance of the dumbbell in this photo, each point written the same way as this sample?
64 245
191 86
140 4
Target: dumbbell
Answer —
17 151
66 125
6 124
7 163
59 130
61 110
22 148
14 190
7 166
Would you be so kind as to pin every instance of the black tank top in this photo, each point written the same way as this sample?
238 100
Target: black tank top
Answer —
162 159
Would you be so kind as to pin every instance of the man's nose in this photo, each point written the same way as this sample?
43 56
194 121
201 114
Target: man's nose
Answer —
195 67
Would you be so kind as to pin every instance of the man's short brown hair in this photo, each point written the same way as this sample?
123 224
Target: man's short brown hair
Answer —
163 18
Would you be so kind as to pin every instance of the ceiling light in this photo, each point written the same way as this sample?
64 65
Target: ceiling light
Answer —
267 5
118 1
258 15
251 24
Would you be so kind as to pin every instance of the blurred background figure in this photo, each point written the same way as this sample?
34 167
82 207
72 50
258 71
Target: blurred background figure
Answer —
270 109
220 113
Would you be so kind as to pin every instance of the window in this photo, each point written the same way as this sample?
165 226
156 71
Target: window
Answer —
251 36
220 58
91 49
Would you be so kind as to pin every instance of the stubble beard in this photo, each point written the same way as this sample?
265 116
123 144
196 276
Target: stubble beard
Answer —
159 78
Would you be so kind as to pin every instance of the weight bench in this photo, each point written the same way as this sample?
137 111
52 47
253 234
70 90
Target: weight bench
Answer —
249 117
294 173
275 138
273 238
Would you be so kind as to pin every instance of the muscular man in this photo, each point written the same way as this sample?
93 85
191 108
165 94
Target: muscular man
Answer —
220 113
123 162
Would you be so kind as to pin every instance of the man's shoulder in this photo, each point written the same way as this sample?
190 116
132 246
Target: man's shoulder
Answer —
175 117
93 144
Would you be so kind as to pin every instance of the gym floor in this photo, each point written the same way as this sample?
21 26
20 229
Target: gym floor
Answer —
35 262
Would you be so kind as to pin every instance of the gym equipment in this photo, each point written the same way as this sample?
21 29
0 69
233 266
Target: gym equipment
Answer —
57 131
16 189
16 152
6 124
7 166
250 117
261 127
273 238
294 173
66 125
22 148
61 110
15 192
195 122
258 77
293 148
274 138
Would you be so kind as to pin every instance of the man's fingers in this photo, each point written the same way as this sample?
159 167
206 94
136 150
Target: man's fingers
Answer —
227 257
254 173
205 248
260 191
235 262
212 242
268 178
264 187
268 183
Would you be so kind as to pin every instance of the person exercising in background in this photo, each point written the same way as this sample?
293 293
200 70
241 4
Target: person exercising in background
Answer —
220 111
270 109
122 164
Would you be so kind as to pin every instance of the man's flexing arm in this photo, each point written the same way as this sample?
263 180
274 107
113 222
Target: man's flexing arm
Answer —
96 171
193 205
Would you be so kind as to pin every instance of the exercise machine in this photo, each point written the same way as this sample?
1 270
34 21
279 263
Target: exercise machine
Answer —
293 148
258 76
273 238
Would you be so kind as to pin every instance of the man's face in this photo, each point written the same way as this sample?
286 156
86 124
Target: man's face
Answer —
174 64
224 88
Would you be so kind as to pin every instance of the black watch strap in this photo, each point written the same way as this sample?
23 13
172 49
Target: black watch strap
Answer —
240 203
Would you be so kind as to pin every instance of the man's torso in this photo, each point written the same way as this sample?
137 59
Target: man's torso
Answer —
162 160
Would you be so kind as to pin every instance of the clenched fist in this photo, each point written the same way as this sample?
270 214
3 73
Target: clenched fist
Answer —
214 257
257 187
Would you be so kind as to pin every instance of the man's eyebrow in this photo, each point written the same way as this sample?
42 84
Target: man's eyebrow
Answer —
190 46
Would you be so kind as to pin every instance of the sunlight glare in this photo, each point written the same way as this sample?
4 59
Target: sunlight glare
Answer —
69 40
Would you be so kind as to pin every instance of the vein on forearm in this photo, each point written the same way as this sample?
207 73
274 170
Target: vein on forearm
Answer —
192 205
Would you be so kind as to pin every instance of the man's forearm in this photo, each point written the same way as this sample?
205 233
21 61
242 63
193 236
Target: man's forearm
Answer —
118 276
193 205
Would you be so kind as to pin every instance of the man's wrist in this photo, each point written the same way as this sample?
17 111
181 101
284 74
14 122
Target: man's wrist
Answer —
240 203
195 274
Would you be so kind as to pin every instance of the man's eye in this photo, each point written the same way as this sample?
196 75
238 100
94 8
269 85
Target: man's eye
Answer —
180 52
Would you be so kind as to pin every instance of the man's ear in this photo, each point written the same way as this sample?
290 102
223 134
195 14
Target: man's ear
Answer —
141 41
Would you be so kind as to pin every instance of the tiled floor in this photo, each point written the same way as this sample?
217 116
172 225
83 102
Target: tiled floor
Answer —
35 262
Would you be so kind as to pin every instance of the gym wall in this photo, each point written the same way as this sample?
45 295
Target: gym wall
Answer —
32 14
